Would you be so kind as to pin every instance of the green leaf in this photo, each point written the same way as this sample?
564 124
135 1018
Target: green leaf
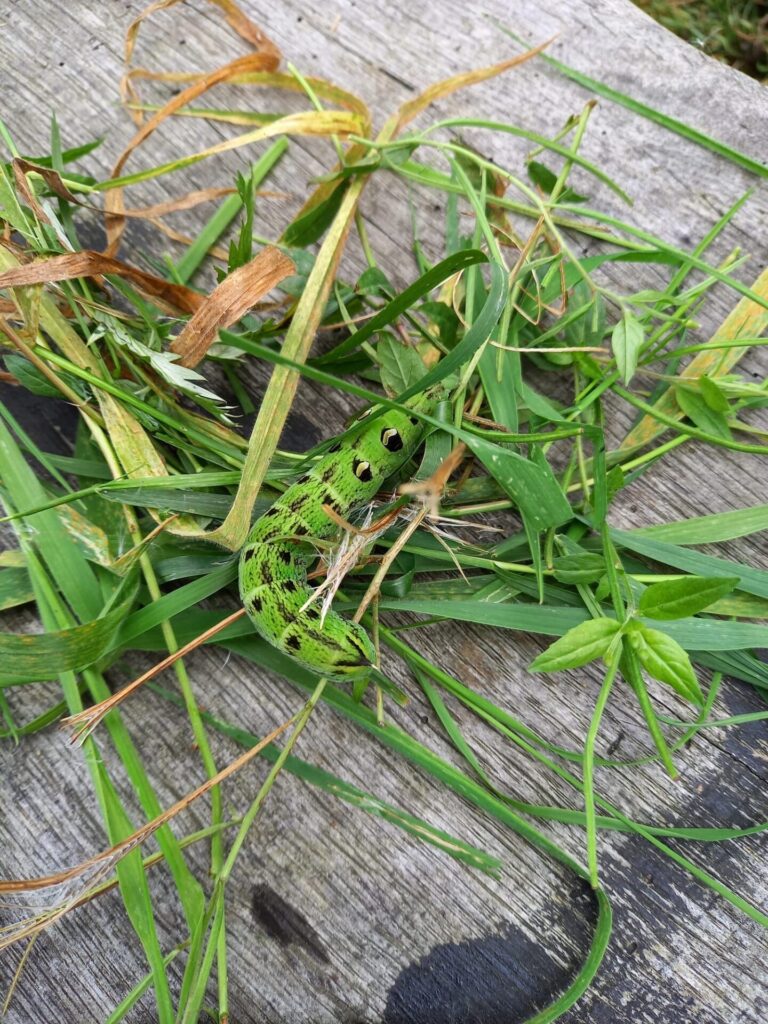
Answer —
664 659
695 634
603 589
579 646
581 567
10 208
589 327
700 414
713 395
626 342
615 480
401 366
476 335
742 606
72 574
532 487
311 225
15 588
546 179
28 375
751 580
500 373
677 599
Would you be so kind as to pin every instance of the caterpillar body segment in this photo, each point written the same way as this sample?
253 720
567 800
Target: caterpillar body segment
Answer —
274 561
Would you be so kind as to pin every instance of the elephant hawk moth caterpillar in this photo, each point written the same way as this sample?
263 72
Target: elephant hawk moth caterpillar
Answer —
273 563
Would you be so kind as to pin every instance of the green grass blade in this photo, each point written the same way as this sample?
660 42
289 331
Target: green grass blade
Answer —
672 124
422 286
367 802
710 529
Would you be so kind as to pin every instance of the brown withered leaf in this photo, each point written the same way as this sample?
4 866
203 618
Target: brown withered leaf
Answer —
229 301
95 264
237 18
22 167
185 202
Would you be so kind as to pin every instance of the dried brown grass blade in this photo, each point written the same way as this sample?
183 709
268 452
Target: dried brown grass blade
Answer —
439 90
88 263
22 167
185 202
114 203
93 870
235 16
83 723
229 301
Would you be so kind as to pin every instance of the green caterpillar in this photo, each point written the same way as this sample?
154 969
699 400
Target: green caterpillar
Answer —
273 565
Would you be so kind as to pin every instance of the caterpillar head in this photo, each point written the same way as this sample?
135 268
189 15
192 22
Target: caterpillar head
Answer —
378 452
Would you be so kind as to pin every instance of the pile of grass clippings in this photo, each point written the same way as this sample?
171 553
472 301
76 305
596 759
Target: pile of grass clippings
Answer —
119 544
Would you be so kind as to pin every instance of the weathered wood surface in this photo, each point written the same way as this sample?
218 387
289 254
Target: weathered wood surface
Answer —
401 932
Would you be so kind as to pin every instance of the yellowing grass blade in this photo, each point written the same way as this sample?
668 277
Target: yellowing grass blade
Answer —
747 319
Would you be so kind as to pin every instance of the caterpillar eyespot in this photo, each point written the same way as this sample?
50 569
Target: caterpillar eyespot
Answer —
391 439
273 565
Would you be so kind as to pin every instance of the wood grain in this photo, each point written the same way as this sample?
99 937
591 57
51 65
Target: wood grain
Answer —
383 928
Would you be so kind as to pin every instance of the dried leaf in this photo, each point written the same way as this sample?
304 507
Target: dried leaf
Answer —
237 18
22 167
94 264
229 301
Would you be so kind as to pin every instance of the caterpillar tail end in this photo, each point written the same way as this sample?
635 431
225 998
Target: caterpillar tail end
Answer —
341 651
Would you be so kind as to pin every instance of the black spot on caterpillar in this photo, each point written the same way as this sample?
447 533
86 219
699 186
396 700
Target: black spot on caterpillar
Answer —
362 470
391 439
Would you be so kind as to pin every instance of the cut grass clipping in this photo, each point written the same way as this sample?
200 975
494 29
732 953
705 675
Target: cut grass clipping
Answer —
113 542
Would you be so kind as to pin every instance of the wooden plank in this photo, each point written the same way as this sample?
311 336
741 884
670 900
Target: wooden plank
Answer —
383 928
